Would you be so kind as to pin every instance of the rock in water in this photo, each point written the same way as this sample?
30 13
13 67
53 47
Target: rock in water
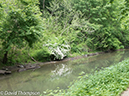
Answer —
20 70
5 72
8 72
20 66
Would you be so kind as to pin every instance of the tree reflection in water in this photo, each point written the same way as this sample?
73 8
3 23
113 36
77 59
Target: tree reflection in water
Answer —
61 70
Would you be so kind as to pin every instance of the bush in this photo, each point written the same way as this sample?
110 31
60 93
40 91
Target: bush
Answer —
105 39
41 55
57 47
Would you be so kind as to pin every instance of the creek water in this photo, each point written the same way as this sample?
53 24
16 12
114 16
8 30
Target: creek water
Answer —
59 74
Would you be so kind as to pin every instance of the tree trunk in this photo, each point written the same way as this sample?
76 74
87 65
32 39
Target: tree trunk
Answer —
43 5
5 59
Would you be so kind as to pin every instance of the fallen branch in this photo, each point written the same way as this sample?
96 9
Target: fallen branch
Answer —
32 58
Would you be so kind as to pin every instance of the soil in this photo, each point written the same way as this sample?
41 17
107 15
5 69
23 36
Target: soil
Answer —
125 93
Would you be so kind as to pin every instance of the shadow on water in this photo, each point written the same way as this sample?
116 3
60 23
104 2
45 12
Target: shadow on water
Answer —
58 75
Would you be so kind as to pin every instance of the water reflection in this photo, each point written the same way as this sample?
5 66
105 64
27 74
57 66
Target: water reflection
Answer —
61 70
58 75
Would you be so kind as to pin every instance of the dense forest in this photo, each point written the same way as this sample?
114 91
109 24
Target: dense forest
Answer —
45 30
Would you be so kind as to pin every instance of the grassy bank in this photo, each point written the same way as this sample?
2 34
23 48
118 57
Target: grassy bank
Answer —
111 81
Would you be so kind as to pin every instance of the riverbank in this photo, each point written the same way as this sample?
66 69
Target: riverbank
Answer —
32 66
110 81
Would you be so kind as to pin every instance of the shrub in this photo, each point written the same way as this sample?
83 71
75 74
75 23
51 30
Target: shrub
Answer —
41 54
105 39
57 47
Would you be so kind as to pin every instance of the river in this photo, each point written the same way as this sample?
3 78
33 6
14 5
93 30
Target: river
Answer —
59 74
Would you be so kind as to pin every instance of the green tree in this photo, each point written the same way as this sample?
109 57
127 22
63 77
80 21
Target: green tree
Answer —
103 14
20 23
43 4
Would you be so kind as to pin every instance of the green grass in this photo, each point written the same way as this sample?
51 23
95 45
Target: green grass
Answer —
110 81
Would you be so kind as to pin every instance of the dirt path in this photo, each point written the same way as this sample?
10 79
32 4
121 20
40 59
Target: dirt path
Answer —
125 93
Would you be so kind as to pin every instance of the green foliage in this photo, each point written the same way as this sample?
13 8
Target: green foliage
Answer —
18 56
21 22
79 48
108 33
111 81
93 23
106 39
50 48
44 4
41 54
90 25
66 22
